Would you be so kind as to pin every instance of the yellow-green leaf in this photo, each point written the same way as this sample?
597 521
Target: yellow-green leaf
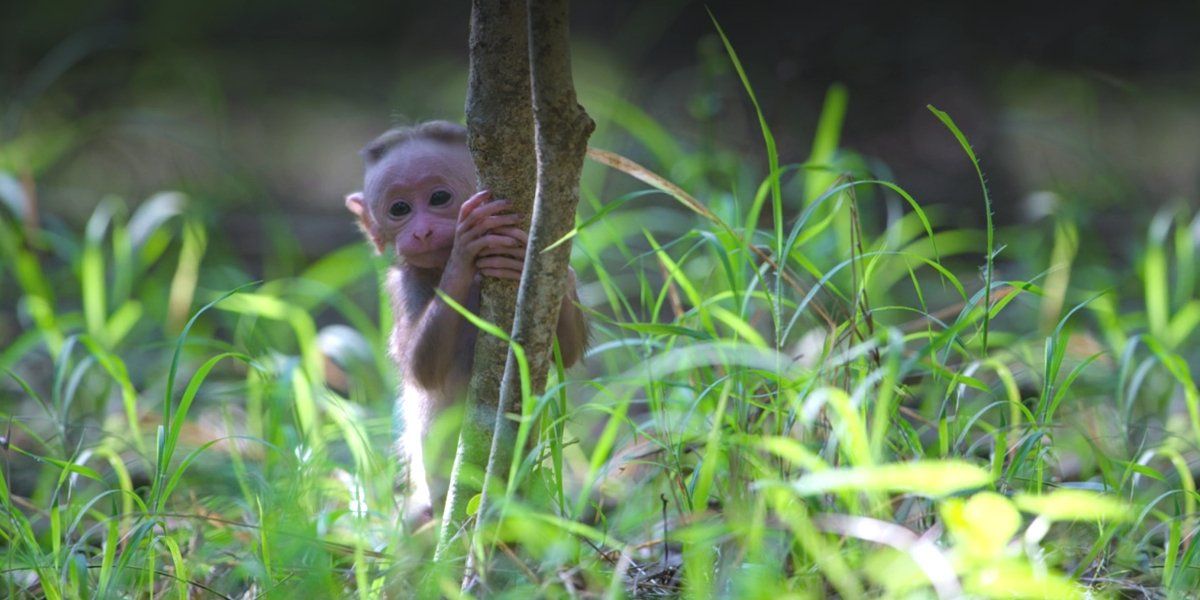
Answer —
1018 579
931 478
894 571
1075 505
982 526
473 505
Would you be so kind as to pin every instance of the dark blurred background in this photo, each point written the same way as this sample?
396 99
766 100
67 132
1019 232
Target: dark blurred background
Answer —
258 108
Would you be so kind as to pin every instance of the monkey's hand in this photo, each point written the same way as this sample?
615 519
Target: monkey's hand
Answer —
506 261
479 242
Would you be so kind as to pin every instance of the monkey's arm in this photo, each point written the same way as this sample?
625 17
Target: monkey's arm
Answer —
434 346
433 340
572 330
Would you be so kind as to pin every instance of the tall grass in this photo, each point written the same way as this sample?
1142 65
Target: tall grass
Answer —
830 403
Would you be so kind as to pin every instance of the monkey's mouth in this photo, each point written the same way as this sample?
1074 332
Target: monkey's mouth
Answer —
428 259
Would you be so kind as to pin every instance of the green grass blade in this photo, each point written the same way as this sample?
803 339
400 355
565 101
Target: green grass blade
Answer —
987 202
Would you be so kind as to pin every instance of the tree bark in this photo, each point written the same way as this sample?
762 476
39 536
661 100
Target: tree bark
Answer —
500 135
562 129
508 41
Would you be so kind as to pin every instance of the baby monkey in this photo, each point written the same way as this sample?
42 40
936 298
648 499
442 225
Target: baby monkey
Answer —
420 197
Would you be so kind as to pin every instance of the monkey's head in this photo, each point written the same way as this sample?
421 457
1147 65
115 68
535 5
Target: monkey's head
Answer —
416 178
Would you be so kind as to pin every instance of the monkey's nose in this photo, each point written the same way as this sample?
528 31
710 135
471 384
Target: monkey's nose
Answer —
422 234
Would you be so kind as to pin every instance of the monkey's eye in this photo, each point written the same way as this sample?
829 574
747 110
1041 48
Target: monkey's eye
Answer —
439 198
399 209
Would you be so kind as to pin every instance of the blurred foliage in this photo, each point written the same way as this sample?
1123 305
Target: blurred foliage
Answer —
789 393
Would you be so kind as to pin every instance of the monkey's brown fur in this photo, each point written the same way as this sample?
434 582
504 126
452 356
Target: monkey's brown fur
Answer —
420 198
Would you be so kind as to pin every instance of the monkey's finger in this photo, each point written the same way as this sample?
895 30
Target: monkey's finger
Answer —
512 246
510 251
502 274
493 207
514 232
476 246
481 221
493 223
479 197
499 262
472 203
482 230
481 213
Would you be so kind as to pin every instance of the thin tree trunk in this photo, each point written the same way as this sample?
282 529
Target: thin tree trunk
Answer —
500 126
563 128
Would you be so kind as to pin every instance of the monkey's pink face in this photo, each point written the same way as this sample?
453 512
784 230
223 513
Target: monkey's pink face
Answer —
414 195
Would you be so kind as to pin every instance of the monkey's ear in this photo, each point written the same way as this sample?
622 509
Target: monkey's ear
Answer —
357 204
